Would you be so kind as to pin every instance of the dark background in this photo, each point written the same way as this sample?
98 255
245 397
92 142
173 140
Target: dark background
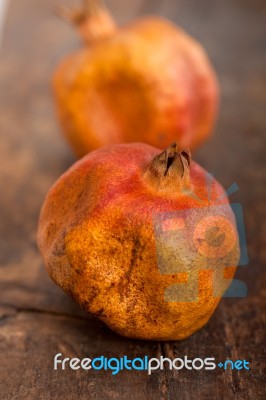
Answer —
37 320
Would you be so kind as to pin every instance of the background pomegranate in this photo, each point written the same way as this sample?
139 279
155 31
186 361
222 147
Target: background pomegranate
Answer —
147 81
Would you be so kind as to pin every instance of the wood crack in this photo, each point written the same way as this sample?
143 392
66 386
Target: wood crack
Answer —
232 353
30 310
164 375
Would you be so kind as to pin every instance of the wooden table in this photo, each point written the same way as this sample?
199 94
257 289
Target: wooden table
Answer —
37 320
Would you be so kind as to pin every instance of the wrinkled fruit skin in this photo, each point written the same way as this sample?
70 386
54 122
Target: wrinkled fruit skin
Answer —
148 82
97 237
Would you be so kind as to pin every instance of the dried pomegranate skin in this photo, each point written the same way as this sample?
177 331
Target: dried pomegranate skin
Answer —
146 82
96 234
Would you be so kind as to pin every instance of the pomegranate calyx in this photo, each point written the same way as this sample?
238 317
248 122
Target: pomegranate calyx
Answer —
169 172
93 20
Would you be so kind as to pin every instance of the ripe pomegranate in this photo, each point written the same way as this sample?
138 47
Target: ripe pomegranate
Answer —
147 81
127 227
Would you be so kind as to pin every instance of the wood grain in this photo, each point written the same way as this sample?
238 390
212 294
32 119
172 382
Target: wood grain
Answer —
36 319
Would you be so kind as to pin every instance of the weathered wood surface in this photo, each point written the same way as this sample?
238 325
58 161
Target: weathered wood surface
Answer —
36 319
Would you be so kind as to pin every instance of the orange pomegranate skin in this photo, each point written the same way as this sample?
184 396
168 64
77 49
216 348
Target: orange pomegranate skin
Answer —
96 234
145 82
